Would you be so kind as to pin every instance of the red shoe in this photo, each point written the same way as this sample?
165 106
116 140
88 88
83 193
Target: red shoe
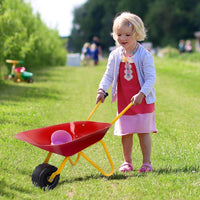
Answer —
126 167
145 168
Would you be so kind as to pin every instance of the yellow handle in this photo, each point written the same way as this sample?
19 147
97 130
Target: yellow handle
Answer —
121 113
13 61
97 105
90 115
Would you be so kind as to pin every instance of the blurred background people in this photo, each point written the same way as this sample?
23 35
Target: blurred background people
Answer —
181 46
198 45
86 54
95 53
95 40
188 46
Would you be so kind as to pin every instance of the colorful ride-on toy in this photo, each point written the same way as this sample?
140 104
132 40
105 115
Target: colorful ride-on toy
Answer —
20 74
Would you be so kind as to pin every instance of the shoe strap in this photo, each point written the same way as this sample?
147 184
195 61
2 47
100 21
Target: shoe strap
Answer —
147 165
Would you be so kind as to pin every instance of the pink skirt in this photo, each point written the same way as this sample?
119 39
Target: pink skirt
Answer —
139 123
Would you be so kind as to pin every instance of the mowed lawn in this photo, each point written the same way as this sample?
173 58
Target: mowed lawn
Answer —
65 94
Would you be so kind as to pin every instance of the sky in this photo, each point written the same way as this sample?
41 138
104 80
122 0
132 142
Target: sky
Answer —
56 14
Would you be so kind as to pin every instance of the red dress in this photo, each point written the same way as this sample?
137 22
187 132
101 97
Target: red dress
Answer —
139 118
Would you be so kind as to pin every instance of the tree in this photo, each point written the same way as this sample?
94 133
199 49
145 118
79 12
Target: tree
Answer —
87 23
167 21
94 18
23 36
138 7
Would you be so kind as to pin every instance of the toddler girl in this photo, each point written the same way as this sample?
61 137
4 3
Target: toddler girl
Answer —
131 72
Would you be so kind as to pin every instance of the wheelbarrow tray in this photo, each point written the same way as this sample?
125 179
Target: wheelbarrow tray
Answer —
83 133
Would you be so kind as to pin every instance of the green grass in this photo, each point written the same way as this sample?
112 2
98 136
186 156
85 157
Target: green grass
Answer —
65 94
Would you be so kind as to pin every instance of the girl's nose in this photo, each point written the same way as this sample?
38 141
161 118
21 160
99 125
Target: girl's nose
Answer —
123 37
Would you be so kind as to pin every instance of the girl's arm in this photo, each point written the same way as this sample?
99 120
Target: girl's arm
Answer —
106 80
149 75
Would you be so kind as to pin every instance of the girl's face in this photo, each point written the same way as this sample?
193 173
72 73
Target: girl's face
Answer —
125 37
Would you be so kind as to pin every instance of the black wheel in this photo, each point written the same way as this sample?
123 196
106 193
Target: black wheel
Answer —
30 80
41 175
36 174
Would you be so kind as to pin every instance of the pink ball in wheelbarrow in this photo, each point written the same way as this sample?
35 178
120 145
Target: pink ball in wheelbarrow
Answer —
60 137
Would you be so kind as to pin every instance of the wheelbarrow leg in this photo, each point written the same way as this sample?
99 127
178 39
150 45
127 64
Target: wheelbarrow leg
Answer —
96 166
58 171
53 175
70 160
62 165
48 157
77 159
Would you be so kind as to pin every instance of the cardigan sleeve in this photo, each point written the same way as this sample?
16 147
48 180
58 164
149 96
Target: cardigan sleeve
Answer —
108 76
149 73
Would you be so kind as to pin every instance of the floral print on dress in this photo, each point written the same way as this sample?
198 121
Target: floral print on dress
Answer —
128 72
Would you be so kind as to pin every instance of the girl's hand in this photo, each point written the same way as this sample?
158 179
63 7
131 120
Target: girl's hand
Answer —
137 99
100 97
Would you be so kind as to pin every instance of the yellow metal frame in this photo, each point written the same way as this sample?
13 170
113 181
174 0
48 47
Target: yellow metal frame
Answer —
53 175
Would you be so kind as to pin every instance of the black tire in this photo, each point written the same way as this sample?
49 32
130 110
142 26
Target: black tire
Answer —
30 80
41 175
36 173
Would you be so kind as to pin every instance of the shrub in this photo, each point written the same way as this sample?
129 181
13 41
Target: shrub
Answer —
25 37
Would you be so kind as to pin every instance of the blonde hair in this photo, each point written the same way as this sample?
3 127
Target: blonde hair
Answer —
86 45
93 46
130 20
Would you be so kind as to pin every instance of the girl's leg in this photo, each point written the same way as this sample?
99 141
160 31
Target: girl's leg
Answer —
145 144
127 144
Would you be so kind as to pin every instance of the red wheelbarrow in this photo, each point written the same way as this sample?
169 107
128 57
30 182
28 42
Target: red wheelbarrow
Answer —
83 134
